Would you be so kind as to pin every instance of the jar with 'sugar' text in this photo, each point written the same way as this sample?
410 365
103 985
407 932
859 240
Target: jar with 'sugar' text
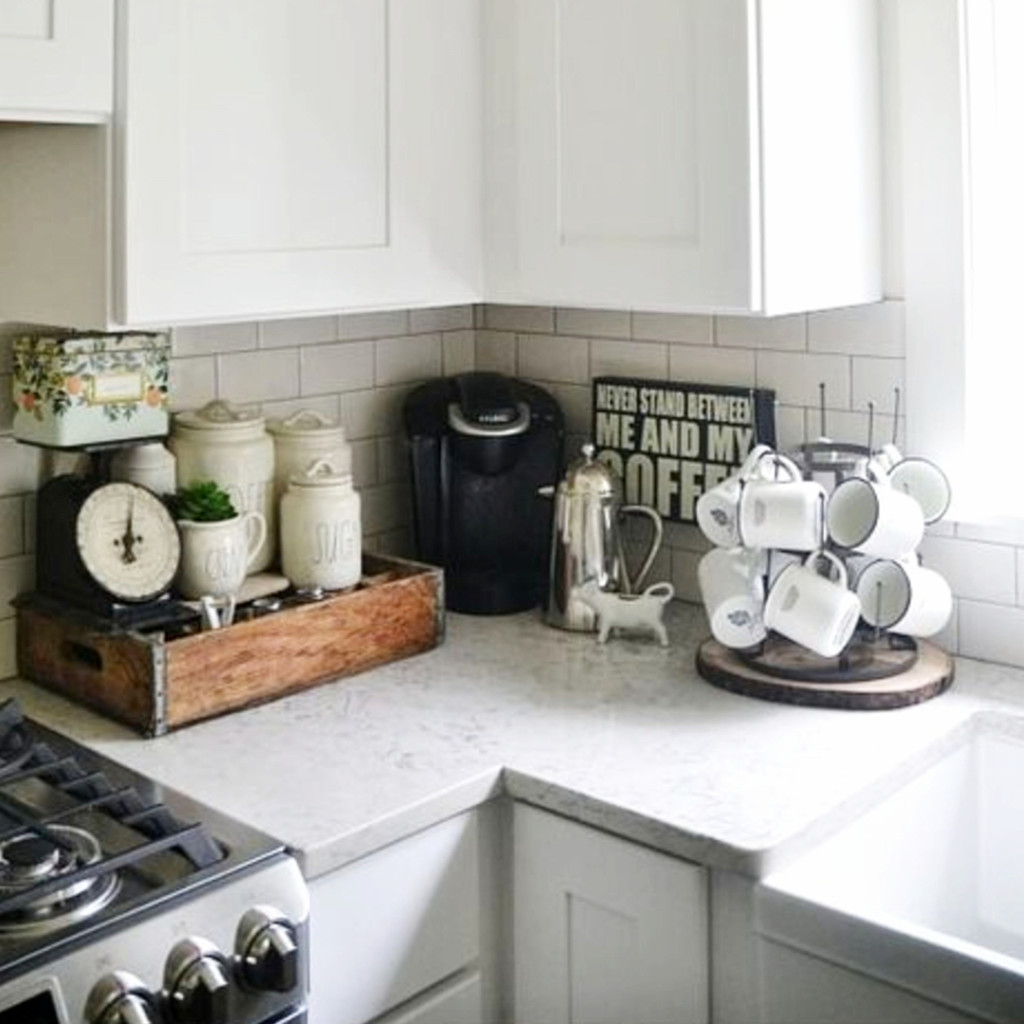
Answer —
321 530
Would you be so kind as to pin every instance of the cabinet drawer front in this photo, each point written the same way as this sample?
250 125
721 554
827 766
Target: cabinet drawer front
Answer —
460 1002
386 927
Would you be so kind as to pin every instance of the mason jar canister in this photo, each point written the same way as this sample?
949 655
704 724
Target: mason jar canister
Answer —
321 530
230 446
301 439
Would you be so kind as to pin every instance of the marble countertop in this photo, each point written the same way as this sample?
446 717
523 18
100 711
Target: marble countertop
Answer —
624 736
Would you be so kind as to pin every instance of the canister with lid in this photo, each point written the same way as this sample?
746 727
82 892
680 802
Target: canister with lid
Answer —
301 439
230 446
321 530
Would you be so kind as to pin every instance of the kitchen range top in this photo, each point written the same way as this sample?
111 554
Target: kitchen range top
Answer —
92 852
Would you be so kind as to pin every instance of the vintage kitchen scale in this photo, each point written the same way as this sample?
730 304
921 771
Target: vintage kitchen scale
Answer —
109 548
876 670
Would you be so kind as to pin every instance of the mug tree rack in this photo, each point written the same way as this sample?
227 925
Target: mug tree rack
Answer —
876 670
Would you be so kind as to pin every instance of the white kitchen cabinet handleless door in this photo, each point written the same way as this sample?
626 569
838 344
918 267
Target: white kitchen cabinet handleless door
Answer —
683 155
282 156
605 930
56 60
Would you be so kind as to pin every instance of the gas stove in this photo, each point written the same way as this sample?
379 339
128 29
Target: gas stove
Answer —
125 902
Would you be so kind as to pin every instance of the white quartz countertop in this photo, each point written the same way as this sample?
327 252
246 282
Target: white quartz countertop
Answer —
624 736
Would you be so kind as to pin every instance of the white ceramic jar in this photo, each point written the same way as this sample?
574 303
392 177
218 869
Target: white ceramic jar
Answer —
230 446
321 529
301 439
149 465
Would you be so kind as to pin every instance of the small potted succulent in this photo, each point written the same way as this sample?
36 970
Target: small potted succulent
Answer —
217 543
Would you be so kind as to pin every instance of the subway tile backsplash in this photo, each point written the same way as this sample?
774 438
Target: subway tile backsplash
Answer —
360 367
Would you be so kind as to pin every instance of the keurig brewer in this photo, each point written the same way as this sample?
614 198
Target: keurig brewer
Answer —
481 445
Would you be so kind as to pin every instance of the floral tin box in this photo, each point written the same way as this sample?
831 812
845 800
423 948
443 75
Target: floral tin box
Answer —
90 388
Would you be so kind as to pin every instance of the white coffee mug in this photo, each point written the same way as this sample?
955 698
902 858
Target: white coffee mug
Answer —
718 510
925 482
874 518
784 513
813 610
216 557
732 588
904 597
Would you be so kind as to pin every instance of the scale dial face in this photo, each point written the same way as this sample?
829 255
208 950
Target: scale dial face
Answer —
128 542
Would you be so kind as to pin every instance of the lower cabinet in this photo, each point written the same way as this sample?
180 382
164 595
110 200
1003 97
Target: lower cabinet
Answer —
403 935
605 930
798 988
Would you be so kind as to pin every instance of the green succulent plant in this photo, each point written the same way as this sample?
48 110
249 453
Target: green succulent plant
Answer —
202 502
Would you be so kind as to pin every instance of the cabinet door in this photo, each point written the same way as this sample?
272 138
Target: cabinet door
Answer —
385 928
691 155
56 59
605 931
619 163
298 155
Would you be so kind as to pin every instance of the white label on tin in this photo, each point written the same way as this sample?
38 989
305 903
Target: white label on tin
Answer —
117 387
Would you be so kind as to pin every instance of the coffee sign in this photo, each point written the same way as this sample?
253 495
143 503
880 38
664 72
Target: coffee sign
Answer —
672 441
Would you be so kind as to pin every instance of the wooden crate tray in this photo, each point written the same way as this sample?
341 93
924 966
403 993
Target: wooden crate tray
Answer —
154 685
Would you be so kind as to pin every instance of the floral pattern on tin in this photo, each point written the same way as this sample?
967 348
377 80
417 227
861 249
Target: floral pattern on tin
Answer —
55 374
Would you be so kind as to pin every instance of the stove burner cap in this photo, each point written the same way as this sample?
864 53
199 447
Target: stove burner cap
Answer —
30 856
55 863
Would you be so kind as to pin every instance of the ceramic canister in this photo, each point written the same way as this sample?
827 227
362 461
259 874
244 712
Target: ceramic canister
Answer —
321 531
301 439
230 446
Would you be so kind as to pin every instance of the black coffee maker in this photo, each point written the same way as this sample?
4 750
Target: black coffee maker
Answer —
481 446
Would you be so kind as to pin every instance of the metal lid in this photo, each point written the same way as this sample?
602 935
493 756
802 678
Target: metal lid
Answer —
591 476
306 423
223 417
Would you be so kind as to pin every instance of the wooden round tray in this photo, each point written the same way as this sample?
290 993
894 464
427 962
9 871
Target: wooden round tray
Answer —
929 675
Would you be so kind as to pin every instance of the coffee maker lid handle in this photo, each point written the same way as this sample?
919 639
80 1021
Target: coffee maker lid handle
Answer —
487 406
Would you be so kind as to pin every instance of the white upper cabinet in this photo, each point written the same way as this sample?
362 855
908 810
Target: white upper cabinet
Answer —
689 155
267 158
298 155
56 60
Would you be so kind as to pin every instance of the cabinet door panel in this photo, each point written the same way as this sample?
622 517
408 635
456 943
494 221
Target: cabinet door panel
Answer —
629 134
300 117
293 156
605 931
56 59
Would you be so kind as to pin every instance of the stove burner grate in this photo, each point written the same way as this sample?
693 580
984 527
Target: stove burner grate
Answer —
52 870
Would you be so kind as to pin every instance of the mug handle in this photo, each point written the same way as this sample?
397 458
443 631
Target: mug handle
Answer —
256 536
749 465
811 561
634 584
781 462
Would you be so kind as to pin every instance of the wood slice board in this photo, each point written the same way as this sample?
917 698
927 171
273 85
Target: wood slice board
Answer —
931 675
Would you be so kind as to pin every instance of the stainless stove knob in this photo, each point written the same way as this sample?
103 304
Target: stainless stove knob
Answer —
120 998
197 983
267 950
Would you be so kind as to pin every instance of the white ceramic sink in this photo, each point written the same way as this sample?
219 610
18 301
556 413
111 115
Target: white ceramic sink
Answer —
928 882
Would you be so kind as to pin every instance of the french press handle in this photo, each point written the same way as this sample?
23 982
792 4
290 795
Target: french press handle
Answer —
633 585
